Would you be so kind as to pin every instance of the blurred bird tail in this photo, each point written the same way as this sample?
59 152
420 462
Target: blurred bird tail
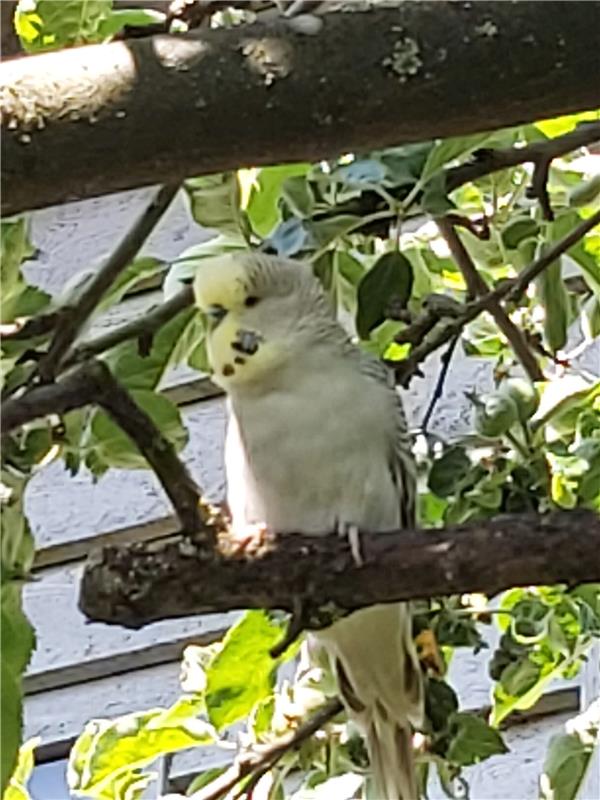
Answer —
392 765
379 678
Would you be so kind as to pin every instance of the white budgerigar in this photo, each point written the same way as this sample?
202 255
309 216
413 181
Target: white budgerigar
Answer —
317 442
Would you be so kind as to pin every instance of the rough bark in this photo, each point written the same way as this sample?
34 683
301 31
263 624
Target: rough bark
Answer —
142 583
99 119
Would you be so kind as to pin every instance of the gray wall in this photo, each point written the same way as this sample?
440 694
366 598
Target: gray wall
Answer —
85 670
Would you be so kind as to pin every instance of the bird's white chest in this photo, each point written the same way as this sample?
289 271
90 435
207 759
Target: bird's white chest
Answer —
312 458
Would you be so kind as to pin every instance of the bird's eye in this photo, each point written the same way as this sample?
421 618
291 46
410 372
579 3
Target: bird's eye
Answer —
251 301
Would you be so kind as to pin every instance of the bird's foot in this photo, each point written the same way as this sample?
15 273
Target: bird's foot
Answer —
250 540
352 533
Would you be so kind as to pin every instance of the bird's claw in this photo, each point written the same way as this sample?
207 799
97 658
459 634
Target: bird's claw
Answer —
250 539
352 533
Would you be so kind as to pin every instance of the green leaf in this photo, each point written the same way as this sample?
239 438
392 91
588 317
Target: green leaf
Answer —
111 750
473 740
585 192
215 201
17 788
263 204
325 231
389 280
15 248
434 199
204 779
562 403
448 471
555 299
404 165
111 447
18 298
243 672
518 229
140 269
17 639
47 25
145 371
451 149
560 125
118 19
569 756
298 196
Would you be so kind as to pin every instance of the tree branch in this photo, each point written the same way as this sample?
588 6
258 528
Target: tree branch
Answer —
67 112
477 287
259 760
509 291
93 383
143 326
73 317
141 583
539 153
160 454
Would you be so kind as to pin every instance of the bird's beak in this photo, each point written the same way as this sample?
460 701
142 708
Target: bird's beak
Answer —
215 314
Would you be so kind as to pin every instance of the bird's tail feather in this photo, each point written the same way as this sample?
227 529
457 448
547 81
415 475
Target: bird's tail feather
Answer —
392 769
380 683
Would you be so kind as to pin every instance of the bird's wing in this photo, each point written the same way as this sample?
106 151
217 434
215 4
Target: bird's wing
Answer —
401 461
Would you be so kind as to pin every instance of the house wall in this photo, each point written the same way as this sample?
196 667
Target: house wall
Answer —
83 670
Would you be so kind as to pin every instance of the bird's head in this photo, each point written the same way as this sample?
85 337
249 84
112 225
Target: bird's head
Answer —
256 306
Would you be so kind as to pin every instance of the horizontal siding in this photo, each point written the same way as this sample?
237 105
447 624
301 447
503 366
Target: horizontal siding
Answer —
62 508
67 643
75 237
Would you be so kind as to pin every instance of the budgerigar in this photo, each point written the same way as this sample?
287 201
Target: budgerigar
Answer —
317 442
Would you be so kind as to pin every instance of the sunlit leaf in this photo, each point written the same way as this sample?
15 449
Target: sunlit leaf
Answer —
569 756
113 750
263 204
215 201
46 24
243 672
17 788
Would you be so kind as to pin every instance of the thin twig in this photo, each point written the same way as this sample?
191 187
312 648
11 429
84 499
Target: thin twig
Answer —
74 317
539 186
509 291
477 287
439 386
143 326
295 627
266 758
31 328
490 161
158 451
79 388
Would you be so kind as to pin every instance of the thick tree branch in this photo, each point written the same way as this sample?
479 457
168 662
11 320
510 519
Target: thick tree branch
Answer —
99 119
142 583
510 290
477 287
73 317
259 760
